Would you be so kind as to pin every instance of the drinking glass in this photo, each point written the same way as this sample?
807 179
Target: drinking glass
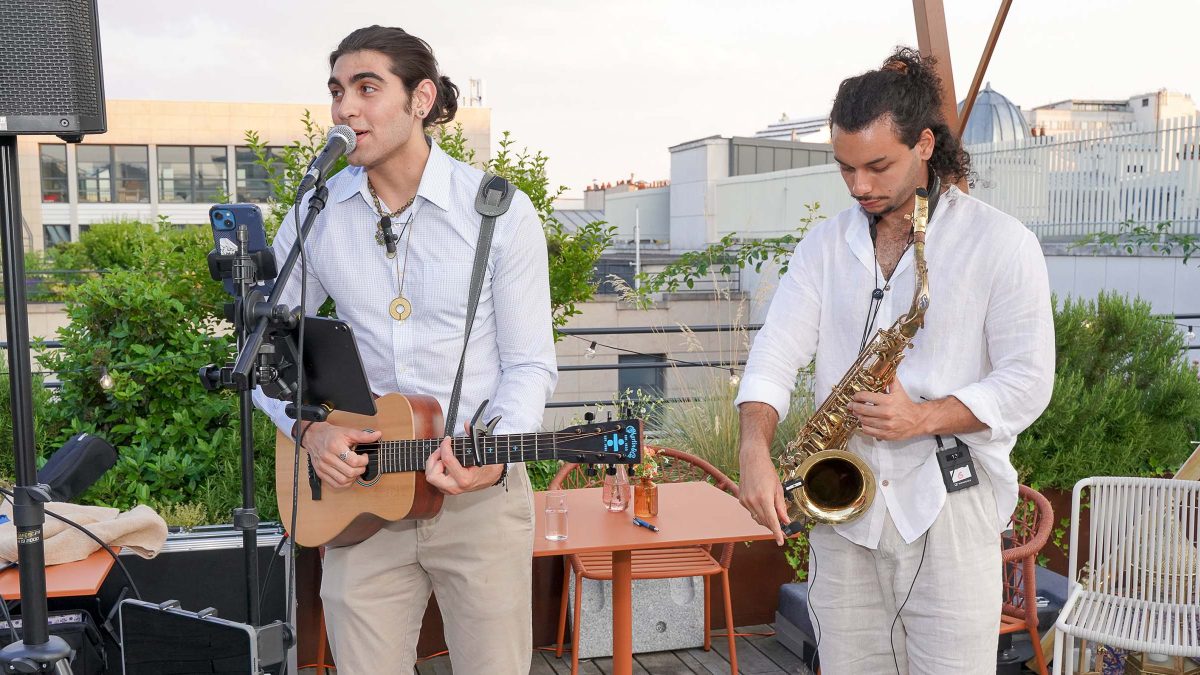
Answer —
556 515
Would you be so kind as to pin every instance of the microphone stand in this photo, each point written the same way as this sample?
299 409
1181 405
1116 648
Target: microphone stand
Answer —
38 652
262 353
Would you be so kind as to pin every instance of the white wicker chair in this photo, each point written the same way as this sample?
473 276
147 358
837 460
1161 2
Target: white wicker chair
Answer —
1141 589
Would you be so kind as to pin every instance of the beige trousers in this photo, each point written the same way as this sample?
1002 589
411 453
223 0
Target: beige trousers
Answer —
476 554
951 622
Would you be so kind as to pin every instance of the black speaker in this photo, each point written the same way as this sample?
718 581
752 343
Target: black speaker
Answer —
50 70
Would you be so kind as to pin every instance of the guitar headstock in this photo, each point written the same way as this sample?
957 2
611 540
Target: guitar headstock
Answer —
615 442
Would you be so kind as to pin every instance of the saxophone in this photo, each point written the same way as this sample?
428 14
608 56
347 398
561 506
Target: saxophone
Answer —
822 481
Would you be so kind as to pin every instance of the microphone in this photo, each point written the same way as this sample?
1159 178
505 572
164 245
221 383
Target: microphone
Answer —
340 141
73 468
389 237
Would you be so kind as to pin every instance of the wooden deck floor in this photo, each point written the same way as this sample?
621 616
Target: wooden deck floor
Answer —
758 652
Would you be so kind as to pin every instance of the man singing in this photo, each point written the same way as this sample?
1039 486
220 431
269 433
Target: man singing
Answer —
408 312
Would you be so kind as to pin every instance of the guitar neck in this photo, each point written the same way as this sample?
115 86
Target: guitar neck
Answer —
411 455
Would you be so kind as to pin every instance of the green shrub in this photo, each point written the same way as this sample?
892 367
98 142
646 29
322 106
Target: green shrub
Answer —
42 400
168 428
1126 402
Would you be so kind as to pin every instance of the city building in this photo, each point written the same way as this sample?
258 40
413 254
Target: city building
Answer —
1099 115
806 129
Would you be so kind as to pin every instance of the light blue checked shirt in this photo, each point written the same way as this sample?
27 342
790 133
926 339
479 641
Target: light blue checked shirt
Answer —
510 359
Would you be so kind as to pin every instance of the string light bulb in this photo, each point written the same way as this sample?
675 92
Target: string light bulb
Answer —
733 378
1191 334
591 352
106 379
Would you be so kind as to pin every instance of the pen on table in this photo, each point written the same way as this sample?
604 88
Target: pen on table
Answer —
641 523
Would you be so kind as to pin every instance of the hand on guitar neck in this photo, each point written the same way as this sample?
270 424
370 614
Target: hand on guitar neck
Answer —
444 472
332 451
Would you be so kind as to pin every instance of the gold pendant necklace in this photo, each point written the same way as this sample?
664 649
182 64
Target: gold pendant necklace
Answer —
399 308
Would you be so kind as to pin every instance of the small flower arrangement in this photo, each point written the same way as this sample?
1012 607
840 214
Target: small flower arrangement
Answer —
648 468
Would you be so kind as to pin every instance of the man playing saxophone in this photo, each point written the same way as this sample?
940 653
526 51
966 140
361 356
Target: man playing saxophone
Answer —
912 583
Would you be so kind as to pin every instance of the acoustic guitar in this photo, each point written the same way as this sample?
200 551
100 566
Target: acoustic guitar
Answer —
394 487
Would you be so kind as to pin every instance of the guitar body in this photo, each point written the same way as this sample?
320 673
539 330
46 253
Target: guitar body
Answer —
344 516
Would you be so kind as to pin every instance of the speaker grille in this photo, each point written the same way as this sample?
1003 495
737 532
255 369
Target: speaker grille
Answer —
48 58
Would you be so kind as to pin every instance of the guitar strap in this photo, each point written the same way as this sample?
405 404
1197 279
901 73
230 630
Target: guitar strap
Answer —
492 201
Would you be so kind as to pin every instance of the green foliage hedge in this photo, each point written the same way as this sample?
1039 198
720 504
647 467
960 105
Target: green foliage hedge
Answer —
1126 400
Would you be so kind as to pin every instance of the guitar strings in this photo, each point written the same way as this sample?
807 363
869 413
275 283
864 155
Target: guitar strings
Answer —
394 449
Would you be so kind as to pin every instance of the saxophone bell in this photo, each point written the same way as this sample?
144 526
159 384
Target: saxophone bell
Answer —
832 487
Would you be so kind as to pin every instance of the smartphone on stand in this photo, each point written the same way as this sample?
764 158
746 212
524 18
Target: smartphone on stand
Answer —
225 219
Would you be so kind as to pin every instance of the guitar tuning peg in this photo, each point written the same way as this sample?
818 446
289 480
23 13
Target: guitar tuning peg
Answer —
589 471
609 416
589 417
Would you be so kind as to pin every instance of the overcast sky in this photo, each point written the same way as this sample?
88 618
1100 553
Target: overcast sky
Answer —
605 87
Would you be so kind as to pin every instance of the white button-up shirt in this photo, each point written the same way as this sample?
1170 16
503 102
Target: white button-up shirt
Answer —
988 341
510 359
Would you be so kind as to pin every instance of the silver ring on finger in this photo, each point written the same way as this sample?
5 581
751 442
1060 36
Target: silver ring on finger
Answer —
343 455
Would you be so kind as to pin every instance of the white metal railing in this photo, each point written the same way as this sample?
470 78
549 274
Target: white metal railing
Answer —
1070 185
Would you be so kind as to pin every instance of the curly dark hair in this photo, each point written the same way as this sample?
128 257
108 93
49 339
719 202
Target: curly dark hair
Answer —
412 61
907 88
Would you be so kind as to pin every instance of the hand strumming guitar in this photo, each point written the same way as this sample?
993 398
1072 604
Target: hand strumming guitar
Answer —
331 449
444 472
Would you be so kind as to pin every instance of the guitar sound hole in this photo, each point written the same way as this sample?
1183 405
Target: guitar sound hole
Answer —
372 471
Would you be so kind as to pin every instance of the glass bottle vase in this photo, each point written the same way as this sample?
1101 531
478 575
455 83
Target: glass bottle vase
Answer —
616 492
645 498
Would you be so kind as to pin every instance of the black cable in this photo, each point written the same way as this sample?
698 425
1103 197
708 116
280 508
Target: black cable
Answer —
93 537
812 583
891 640
291 581
262 596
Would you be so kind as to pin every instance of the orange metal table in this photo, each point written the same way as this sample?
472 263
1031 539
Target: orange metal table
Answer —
688 514
82 577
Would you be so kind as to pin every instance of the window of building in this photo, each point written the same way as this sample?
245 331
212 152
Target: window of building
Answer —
93 166
192 174
56 234
604 270
132 164
652 381
211 173
252 185
1145 103
54 172
113 173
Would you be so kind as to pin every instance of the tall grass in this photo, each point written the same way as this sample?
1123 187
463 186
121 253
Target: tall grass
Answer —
707 426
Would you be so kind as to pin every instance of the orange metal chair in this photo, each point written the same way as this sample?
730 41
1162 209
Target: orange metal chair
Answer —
670 563
1032 522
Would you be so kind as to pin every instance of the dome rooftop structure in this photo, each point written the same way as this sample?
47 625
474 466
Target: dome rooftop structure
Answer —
994 118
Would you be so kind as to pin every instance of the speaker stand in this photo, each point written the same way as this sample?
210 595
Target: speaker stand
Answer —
39 652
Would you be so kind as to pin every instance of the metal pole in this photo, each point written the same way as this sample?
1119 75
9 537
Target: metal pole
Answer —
38 648
637 247
933 40
984 60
